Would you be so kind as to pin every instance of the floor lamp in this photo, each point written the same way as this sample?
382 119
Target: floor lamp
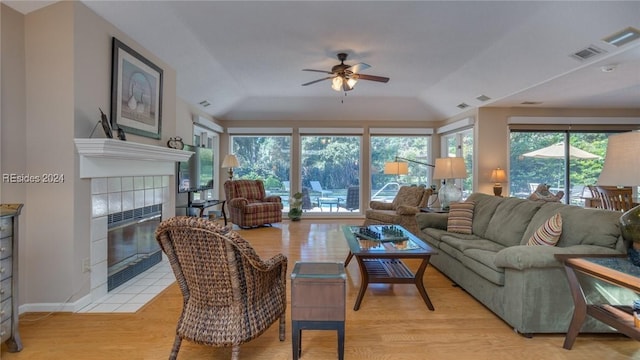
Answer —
397 167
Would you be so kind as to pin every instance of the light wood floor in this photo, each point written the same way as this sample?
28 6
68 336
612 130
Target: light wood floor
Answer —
392 323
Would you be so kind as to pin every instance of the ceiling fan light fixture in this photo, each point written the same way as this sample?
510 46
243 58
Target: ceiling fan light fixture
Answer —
336 83
351 83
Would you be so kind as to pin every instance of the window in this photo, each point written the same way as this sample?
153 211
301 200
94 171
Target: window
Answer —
460 144
384 187
542 157
267 158
330 164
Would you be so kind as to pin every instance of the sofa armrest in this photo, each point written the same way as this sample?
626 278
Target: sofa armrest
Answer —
432 220
379 205
522 257
407 210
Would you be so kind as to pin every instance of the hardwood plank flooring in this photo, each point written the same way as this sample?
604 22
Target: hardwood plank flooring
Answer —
392 323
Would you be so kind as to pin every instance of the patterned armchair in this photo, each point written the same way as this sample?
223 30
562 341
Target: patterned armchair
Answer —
402 211
248 204
230 295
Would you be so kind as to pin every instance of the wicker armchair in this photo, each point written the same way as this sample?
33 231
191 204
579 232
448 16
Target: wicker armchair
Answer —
402 211
249 205
230 295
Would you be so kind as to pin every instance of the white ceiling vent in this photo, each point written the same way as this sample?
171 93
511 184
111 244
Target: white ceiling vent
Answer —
483 98
462 106
587 53
204 103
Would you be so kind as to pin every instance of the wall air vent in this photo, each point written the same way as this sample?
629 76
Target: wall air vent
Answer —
204 103
587 53
462 106
623 37
483 98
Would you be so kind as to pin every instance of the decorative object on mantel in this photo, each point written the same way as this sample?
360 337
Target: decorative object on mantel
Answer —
622 168
105 125
136 92
498 176
230 161
175 143
121 135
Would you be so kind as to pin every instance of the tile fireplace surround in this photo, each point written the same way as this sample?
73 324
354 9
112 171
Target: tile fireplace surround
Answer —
124 176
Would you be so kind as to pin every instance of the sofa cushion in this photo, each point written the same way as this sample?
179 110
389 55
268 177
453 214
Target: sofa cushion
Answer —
482 262
456 244
510 220
580 226
485 206
548 233
461 217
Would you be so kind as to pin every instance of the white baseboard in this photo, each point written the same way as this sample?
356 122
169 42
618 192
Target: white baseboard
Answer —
56 307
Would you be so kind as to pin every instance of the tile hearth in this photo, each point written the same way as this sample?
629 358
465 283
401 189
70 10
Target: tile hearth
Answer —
135 293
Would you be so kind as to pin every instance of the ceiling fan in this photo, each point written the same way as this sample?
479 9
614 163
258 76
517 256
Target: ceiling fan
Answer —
344 77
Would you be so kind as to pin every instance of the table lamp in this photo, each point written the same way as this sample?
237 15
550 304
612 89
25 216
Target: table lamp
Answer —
498 176
622 168
449 169
230 161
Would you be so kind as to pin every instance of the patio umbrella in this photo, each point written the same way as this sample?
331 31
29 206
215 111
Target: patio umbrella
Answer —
556 151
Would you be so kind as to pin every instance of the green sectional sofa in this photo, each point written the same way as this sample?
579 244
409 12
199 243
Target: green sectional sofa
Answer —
525 285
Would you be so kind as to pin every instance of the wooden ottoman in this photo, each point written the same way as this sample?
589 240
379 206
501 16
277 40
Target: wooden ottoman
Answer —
317 301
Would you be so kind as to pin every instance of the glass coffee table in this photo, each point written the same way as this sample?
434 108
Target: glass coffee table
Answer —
379 250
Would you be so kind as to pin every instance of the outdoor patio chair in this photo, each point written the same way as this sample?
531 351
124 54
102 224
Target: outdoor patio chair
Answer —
352 202
230 295
315 186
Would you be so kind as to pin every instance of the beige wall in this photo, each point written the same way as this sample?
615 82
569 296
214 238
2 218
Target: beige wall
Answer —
66 78
13 143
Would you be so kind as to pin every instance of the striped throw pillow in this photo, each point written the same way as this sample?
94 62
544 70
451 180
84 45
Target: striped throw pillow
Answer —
461 217
549 233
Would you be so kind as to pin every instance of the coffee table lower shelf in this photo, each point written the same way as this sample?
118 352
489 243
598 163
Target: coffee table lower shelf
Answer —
390 271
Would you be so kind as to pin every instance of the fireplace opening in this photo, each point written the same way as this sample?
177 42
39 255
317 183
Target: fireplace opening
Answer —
132 247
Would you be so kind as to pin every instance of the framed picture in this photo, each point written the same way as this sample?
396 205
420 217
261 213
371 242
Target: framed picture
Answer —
136 92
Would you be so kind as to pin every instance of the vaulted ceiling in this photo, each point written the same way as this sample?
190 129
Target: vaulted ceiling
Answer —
245 58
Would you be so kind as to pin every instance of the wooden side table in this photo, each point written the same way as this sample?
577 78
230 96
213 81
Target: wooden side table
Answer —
317 301
615 269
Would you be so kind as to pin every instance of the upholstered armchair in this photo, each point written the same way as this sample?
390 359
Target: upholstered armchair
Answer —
248 204
402 211
230 295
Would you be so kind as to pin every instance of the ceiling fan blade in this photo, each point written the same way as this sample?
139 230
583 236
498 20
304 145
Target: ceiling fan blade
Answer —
321 71
371 78
358 67
315 81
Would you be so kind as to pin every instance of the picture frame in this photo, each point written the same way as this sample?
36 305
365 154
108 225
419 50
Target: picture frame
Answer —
136 92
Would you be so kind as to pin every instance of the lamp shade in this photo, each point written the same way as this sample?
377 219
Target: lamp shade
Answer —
230 161
498 175
396 168
622 162
450 168
622 168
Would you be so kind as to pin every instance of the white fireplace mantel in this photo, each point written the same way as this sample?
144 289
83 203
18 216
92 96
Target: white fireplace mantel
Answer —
109 157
